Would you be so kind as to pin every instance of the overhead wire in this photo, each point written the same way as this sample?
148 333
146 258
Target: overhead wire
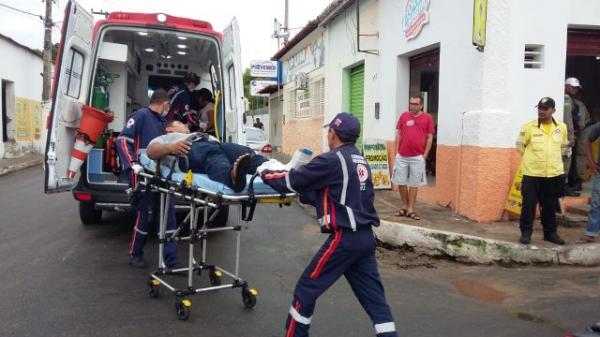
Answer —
41 17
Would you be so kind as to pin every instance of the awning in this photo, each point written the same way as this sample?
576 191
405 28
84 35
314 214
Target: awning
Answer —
269 89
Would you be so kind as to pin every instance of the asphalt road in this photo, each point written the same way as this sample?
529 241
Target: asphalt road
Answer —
60 278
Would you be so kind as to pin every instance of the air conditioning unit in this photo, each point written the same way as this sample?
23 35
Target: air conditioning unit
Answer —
302 81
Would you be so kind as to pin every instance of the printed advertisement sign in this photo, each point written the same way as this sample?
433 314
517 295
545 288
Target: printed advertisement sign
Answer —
515 199
257 85
263 69
306 60
376 155
479 23
416 15
28 119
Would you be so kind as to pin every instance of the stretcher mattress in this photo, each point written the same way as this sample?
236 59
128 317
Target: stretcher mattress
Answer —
202 180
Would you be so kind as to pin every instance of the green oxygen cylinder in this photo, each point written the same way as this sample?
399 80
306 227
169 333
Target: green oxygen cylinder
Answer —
99 98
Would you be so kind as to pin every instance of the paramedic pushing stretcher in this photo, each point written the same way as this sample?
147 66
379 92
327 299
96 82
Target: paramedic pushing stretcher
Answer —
338 184
144 125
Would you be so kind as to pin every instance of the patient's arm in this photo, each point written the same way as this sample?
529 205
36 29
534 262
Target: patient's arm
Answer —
159 150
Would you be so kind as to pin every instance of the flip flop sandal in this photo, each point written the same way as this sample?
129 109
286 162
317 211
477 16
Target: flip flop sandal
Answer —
401 212
413 216
239 168
586 239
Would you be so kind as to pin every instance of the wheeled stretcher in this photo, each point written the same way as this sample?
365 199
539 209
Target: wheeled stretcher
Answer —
202 195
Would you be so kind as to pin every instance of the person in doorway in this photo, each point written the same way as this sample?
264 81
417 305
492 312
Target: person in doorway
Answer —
144 125
542 143
593 228
414 136
579 119
258 124
338 184
204 119
182 98
227 163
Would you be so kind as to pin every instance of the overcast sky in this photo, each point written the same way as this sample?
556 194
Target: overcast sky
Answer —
255 18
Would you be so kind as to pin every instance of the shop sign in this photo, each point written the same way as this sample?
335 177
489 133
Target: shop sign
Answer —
263 69
416 15
303 104
308 59
479 23
514 201
376 154
28 119
258 85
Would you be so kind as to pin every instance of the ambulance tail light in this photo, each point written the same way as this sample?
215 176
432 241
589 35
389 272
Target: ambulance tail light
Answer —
120 16
82 196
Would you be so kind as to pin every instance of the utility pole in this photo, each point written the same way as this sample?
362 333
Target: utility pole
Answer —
286 22
47 51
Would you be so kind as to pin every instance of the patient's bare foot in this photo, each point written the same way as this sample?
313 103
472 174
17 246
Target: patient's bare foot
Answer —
238 172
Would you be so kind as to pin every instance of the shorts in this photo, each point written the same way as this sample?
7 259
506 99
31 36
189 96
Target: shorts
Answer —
409 171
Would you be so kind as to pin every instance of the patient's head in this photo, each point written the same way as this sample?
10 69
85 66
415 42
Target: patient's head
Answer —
176 126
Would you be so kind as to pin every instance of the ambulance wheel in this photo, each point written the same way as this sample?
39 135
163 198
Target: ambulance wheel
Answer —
182 309
215 278
249 297
88 214
153 288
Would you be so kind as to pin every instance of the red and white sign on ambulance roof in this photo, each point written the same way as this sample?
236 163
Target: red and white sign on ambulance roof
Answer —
416 15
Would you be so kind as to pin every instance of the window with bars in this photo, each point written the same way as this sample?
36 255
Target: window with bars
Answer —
318 97
290 103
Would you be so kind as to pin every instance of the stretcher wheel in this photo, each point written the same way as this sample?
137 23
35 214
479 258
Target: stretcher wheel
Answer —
215 278
153 288
249 297
183 308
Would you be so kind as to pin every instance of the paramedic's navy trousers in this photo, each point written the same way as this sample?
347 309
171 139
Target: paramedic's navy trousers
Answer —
144 203
351 254
216 160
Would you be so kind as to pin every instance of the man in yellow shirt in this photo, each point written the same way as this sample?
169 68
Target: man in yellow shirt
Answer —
542 142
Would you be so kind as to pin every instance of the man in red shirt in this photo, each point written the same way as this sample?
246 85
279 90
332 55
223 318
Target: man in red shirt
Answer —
413 141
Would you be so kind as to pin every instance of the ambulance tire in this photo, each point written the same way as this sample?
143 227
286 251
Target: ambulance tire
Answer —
88 214
222 217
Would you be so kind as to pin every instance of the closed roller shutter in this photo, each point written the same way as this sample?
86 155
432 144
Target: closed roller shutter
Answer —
357 95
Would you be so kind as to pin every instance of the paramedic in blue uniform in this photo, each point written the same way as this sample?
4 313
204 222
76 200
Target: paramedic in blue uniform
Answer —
144 125
338 184
182 98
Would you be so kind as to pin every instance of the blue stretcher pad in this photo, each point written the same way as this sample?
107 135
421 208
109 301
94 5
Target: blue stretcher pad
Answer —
202 180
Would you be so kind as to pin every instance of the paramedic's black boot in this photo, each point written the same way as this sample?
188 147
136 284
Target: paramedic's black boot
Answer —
525 239
138 262
554 238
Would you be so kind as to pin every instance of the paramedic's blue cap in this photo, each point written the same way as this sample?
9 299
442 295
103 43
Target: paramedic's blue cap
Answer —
345 123
546 102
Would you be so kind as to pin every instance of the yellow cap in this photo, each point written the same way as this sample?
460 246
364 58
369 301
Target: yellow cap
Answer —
155 282
253 291
186 303
218 273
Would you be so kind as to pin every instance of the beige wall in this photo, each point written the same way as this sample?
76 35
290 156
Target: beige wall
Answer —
302 133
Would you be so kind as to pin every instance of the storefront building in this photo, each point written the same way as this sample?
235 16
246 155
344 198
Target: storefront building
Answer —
480 99
20 94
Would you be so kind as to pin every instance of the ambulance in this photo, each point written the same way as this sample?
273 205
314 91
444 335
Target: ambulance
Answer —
115 64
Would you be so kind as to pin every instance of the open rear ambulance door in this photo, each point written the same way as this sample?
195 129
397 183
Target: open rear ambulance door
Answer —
233 85
70 90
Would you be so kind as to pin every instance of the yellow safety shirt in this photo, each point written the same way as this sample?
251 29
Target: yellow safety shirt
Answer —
542 149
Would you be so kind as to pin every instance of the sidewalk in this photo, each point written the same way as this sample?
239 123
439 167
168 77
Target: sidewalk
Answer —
13 164
441 232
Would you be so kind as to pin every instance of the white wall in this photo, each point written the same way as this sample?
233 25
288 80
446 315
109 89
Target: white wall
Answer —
23 69
342 54
489 95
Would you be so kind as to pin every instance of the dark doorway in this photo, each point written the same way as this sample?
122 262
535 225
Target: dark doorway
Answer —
424 81
583 62
4 114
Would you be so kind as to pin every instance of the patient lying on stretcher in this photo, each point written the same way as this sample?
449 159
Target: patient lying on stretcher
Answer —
227 163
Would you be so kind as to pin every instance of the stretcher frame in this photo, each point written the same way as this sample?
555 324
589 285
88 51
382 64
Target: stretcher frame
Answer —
201 199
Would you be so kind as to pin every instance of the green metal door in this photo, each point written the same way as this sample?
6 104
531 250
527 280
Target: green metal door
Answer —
357 94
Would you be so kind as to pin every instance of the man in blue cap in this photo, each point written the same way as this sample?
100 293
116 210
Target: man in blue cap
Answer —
338 184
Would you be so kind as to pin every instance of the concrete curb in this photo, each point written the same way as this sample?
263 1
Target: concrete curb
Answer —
12 168
472 249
